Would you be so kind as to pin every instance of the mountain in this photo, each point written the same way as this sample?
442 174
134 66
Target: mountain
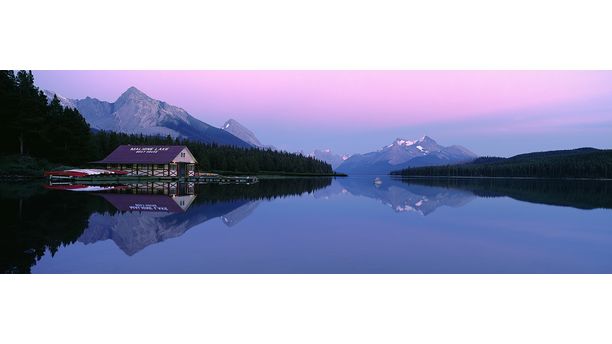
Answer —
329 157
404 153
575 163
136 113
240 131
65 102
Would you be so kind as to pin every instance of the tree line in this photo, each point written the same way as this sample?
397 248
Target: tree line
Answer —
213 157
33 125
582 194
577 163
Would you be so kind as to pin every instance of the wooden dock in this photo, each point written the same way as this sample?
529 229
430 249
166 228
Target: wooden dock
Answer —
216 179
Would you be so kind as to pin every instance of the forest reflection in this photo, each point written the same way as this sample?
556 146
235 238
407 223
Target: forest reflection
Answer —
580 194
39 218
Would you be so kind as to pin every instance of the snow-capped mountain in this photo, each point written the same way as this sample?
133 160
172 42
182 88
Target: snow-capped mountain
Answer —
404 153
329 157
136 113
65 102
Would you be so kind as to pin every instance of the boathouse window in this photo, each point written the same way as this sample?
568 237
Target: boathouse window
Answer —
182 155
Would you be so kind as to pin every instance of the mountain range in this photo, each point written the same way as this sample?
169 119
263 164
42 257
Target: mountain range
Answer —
403 154
134 112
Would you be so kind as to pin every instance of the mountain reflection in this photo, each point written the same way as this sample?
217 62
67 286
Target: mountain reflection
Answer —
425 195
39 219
134 216
402 197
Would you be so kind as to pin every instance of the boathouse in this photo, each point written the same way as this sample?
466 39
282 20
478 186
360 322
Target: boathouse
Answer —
155 161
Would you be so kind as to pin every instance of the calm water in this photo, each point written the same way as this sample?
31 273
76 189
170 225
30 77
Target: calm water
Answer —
311 225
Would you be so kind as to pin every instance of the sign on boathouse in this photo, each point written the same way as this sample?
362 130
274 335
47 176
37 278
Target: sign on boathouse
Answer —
157 161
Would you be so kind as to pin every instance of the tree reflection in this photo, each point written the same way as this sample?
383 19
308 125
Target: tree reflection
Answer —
39 220
581 194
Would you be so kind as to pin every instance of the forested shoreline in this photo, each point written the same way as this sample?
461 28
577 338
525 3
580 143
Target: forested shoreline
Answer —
212 157
577 163
39 133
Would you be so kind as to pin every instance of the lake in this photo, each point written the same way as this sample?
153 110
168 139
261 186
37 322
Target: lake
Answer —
310 225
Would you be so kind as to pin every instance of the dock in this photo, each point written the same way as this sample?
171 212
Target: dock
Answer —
216 179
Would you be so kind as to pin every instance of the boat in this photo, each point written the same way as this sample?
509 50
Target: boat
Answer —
81 173
84 187
80 176
377 181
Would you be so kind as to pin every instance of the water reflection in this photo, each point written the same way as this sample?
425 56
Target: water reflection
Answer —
335 217
40 217
404 197
581 194
425 195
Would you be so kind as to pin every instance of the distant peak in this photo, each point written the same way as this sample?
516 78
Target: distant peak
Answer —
240 131
133 89
133 92
426 138
231 122
403 142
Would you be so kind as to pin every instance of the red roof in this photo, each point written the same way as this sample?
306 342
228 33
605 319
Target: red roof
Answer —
127 154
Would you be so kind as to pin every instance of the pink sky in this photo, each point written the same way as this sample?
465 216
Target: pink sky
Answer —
278 105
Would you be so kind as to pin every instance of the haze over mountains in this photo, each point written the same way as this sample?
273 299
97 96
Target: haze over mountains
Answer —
136 113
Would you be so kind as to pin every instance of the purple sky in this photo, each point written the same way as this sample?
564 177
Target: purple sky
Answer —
489 112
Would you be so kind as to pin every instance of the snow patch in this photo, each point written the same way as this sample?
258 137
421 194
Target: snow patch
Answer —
403 142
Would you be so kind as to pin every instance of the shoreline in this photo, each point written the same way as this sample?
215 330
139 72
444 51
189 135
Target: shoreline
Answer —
264 175
487 177
281 174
